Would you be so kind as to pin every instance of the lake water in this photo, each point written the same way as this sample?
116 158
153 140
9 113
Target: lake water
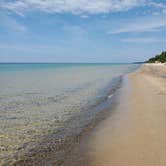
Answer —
38 99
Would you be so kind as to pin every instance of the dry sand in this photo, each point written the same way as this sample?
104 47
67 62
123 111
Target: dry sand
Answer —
135 134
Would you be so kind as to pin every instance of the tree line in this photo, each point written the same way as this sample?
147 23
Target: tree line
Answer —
158 58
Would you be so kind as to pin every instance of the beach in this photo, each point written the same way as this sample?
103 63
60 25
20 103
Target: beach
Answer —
134 134
125 126
44 108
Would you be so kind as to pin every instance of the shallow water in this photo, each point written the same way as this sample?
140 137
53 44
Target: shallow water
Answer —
38 99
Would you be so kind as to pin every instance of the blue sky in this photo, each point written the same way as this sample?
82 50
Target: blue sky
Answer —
81 30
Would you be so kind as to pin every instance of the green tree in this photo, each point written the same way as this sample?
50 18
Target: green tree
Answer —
159 58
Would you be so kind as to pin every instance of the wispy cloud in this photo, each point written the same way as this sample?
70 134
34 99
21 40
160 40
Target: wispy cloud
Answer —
143 40
149 24
72 6
158 4
11 24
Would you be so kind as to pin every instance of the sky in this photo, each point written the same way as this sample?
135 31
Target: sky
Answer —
81 30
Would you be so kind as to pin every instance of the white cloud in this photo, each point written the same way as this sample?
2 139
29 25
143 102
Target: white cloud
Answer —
80 7
71 6
158 5
149 24
143 40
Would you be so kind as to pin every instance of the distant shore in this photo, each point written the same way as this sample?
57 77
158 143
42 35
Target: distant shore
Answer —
134 134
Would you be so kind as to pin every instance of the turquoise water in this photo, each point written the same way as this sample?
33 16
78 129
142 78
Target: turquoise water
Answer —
34 66
37 66
37 99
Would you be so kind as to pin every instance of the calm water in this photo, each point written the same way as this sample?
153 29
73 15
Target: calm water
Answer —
36 99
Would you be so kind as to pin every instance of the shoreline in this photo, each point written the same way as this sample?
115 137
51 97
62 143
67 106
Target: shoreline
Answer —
53 150
55 147
135 133
80 154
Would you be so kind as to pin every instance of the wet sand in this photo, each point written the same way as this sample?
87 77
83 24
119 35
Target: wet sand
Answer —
135 134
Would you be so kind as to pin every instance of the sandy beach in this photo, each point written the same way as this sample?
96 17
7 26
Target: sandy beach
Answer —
134 135
82 83
46 108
